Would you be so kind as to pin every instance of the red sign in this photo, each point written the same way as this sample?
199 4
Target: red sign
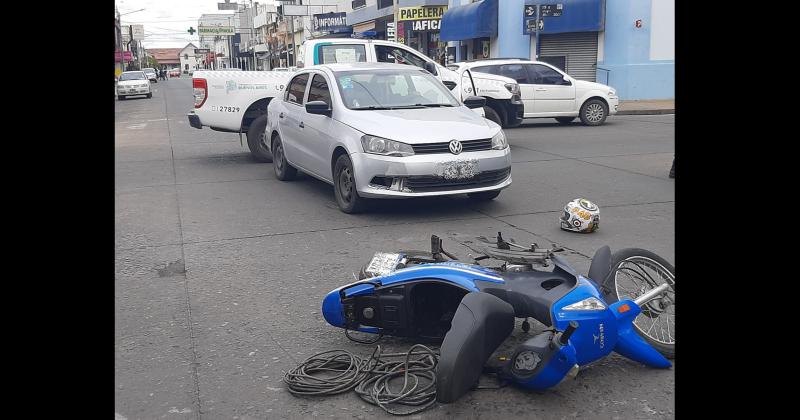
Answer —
126 54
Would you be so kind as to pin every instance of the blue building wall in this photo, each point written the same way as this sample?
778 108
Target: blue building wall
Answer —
626 63
511 42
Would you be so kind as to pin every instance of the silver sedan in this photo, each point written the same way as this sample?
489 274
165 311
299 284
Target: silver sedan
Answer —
378 130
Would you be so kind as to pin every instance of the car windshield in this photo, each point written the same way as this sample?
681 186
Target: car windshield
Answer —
137 75
392 89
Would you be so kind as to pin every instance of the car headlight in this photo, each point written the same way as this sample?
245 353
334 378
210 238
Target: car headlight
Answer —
588 304
381 146
513 88
499 141
612 92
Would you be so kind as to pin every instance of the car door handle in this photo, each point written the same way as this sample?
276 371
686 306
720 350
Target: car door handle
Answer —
280 115
541 89
302 125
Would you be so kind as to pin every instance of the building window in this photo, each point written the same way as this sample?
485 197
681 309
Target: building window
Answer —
186 56
382 4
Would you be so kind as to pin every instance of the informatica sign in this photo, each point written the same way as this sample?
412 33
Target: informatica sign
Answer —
330 22
422 18
215 30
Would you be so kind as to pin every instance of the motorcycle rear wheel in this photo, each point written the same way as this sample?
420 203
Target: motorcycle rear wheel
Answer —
634 272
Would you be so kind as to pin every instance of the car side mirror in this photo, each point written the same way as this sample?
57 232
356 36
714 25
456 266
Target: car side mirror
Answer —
565 81
474 102
318 107
430 67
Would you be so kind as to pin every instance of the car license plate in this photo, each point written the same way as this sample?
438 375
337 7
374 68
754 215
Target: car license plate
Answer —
383 263
457 169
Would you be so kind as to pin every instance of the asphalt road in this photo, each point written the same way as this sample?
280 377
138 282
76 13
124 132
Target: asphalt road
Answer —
221 269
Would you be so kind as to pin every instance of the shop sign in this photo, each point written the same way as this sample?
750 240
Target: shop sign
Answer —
330 22
422 12
215 30
401 31
425 25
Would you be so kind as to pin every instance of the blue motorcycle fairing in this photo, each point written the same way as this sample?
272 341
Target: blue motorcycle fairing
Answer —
555 370
597 331
461 275
629 343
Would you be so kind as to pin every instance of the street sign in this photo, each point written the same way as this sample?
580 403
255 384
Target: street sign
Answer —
201 50
551 10
530 11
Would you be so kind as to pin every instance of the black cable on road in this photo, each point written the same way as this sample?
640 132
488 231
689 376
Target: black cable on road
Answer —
336 371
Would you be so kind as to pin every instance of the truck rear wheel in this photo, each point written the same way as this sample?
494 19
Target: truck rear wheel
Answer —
257 140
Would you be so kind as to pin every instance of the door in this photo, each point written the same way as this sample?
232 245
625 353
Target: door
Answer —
551 93
518 72
319 129
289 124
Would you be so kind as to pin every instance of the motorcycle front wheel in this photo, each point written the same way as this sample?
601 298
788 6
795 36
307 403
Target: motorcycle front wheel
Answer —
634 272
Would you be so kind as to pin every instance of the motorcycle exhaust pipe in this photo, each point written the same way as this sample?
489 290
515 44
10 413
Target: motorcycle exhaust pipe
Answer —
647 297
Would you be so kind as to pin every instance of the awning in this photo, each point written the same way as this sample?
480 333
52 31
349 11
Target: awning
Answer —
476 20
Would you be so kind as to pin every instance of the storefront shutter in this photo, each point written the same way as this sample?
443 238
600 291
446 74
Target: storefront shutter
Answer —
579 50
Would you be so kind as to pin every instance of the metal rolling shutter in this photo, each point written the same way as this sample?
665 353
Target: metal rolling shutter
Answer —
580 49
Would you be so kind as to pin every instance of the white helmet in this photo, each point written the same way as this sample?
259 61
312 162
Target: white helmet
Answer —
580 215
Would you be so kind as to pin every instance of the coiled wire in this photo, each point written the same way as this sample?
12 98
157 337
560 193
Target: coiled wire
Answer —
336 371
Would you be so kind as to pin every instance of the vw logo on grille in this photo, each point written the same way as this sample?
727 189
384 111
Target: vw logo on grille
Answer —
455 147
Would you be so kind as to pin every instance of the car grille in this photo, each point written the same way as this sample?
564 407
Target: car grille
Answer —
444 147
429 183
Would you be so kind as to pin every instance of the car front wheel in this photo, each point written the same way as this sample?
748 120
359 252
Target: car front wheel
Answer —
594 112
344 186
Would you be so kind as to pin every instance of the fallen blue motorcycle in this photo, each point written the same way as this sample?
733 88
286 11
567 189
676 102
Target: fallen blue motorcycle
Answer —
624 305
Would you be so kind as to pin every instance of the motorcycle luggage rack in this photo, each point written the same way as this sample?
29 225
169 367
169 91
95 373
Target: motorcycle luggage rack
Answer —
510 252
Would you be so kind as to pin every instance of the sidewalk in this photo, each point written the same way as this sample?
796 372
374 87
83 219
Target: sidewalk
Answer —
665 106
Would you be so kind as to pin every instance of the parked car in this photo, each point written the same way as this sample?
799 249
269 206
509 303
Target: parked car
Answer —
175 73
151 74
380 130
131 83
548 92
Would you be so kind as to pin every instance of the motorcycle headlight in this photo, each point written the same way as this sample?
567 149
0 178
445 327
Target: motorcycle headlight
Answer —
513 88
527 361
588 304
386 147
499 141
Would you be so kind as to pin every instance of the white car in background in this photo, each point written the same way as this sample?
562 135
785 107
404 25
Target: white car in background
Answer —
548 92
132 83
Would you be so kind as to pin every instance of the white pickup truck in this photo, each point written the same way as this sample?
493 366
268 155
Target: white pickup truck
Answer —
236 101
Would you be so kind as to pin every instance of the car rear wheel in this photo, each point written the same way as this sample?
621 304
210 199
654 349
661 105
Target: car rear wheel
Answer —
149 95
484 195
564 120
491 114
257 140
344 186
283 170
594 112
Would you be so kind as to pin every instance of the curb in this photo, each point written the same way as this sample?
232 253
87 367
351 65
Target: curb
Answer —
646 111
